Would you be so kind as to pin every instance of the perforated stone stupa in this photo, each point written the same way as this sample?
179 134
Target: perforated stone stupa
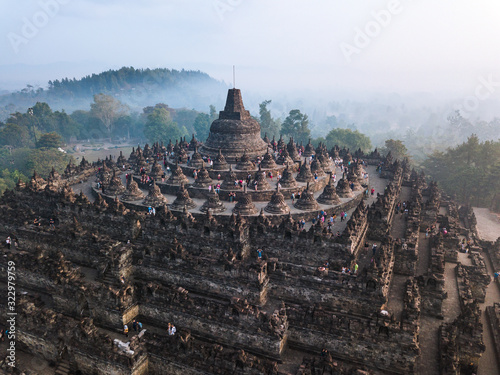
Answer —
234 132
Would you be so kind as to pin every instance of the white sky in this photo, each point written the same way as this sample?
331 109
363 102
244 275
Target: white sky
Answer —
432 46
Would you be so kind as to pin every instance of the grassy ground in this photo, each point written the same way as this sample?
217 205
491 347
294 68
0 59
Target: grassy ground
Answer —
94 153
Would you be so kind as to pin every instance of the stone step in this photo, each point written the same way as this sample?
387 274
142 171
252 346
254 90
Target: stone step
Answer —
63 368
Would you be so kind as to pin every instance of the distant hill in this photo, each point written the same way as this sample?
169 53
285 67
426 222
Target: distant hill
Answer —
136 87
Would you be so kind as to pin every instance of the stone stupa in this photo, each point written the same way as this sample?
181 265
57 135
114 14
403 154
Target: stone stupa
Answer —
183 200
228 183
309 150
177 177
203 179
305 174
115 186
277 204
287 180
284 158
244 206
316 168
306 202
156 170
268 161
260 180
329 195
235 132
245 164
196 159
155 198
213 203
343 189
220 163
133 193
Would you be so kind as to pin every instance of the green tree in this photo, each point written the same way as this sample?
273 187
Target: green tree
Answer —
160 127
397 148
185 117
348 138
42 160
43 116
49 140
15 135
9 179
66 127
201 126
107 110
267 123
296 125
469 170
213 113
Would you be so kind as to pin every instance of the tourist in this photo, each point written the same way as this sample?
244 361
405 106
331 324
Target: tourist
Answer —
171 329
293 198
495 277
342 216
356 268
139 326
7 242
259 253
125 330
134 325
373 191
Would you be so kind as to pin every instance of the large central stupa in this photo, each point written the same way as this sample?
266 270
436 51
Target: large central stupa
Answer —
235 132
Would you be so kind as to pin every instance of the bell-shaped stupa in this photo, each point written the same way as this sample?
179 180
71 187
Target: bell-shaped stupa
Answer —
234 132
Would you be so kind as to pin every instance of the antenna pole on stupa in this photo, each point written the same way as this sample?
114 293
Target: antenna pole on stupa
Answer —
234 78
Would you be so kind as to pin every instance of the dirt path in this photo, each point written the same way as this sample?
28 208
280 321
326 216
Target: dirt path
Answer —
451 305
488 224
488 227
424 254
397 289
488 363
428 362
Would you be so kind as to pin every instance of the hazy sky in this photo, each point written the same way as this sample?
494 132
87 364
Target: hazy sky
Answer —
404 46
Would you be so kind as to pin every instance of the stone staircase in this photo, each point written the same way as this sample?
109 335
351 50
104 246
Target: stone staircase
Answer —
108 278
62 368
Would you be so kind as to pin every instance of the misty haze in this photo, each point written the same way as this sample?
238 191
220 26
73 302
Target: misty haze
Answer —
250 187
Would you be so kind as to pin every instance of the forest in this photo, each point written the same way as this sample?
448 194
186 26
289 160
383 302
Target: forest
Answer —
136 88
